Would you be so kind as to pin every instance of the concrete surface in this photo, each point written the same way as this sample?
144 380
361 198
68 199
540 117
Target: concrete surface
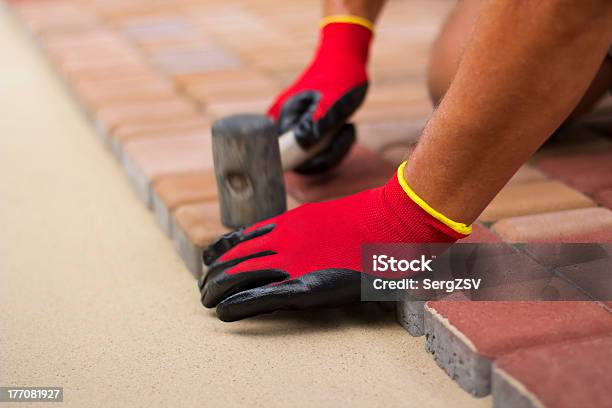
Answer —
94 298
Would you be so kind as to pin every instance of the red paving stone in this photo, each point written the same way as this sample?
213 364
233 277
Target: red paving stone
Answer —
361 170
114 115
139 88
604 236
582 225
575 140
127 134
196 226
535 197
385 111
50 15
140 129
588 173
223 79
604 198
593 277
197 58
566 375
146 160
397 153
114 70
497 327
379 136
182 153
466 337
200 222
106 64
527 174
181 189
172 191
155 31
235 85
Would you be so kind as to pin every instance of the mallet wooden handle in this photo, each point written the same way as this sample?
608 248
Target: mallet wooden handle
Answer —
292 154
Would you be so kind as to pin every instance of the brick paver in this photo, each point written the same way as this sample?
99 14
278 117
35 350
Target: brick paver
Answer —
111 116
147 131
173 191
589 173
196 226
527 174
604 197
581 225
380 135
536 197
466 337
593 277
565 375
146 160
361 170
133 88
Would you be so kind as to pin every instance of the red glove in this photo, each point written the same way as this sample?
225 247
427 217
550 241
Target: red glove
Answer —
310 256
331 89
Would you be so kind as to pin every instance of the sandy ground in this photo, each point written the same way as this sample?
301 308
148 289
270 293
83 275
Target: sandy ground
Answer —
93 297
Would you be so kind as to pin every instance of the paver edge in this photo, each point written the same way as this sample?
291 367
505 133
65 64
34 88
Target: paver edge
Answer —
502 381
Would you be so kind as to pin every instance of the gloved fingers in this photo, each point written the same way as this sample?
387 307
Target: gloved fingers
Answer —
333 155
329 116
221 281
297 109
324 288
228 241
254 244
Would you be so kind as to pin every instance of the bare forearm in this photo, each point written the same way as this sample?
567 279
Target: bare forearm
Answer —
369 9
524 70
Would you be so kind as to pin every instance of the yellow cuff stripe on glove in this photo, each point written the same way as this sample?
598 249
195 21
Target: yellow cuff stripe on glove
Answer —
347 18
456 226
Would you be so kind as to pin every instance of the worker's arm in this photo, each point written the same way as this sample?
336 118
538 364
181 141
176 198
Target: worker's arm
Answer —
368 9
321 100
526 67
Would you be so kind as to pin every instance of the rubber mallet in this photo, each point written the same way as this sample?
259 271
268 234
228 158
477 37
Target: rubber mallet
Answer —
250 159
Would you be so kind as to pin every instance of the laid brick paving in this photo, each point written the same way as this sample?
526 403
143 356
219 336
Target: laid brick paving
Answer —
465 337
152 76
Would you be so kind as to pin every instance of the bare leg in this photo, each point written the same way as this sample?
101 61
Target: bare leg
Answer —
525 69
450 45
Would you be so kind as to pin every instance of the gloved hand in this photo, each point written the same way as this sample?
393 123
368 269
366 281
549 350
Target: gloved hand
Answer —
310 256
318 104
